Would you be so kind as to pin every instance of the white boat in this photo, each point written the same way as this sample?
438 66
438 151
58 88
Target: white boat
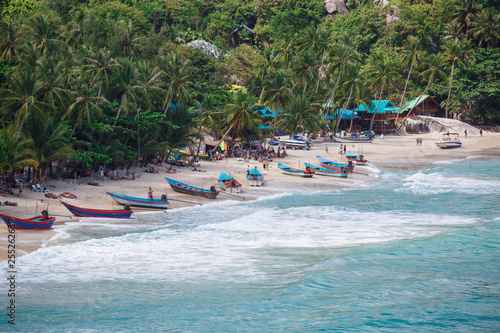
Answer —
449 140
294 143
355 139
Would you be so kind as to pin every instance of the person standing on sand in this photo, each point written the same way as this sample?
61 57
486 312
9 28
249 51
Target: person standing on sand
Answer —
480 132
465 132
248 169
150 194
326 148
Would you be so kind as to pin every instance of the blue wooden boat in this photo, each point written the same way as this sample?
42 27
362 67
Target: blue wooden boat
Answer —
327 172
91 212
38 222
140 202
357 160
327 164
188 189
228 183
308 173
255 178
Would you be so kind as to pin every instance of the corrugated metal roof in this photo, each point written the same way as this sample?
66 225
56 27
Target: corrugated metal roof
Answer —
385 106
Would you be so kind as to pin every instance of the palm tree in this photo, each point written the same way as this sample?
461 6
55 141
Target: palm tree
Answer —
361 97
102 65
453 52
22 98
51 75
300 114
342 54
49 141
465 13
28 55
286 51
317 41
16 150
278 95
148 84
42 29
412 55
435 66
84 104
453 30
9 40
486 29
381 74
266 66
72 34
178 77
206 116
354 83
129 37
304 69
122 86
240 115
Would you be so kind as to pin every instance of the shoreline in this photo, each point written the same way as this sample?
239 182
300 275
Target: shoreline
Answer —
387 153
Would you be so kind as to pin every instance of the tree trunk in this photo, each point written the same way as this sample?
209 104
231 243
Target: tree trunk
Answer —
375 111
320 69
118 114
332 95
404 92
261 94
223 137
345 106
409 112
169 101
449 92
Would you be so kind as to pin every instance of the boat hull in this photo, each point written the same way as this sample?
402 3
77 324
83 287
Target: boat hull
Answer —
327 172
138 202
37 222
107 213
255 178
229 184
295 172
192 190
448 144
352 140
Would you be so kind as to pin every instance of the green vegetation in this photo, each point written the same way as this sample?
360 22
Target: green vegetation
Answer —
113 82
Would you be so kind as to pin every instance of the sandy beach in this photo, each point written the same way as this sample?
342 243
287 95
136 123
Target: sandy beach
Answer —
387 152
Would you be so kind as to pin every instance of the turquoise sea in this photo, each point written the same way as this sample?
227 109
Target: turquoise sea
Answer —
399 251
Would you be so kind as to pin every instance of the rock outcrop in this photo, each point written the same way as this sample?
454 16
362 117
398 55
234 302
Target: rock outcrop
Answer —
207 48
336 7
391 12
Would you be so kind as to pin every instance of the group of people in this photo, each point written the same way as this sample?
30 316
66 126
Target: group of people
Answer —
419 141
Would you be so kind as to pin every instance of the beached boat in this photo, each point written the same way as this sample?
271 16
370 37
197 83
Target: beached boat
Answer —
188 189
357 160
327 164
327 172
352 139
294 144
38 222
188 153
228 183
448 142
255 178
140 202
91 212
308 173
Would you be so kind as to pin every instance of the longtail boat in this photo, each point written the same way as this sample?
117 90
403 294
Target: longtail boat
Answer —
228 183
354 139
91 212
188 189
140 202
255 178
327 172
357 160
308 173
327 164
38 222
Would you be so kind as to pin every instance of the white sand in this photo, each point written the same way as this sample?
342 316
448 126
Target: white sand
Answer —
389 152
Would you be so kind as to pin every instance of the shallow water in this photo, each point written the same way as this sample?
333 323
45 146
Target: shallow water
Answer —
412 251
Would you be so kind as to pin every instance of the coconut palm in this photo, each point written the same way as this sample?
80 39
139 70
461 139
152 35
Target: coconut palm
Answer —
342 54
453 52
15 149
240 114
317 41
42 30
278 95
465 13
353 83
28 55
453 30
434 69
206 117
380 74
51 76
300 114
178 74
124 79
267 65
22 98
73 34
9 40
361 97
84 103
101 64
50 142
286 50
304 69
148 84
129 37
486 28
412 49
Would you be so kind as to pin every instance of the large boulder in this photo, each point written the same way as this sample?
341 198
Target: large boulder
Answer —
414 126
207 48
336 7
391 12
